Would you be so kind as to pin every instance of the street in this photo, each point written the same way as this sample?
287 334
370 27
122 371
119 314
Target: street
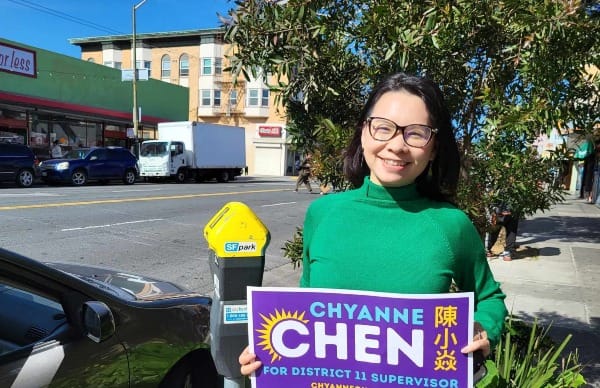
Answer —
150 229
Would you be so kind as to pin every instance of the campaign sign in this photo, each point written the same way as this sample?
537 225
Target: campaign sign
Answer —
322 338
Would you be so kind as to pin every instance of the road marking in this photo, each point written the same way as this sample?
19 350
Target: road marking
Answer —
279 204
134 190
110 225
36 194
125 200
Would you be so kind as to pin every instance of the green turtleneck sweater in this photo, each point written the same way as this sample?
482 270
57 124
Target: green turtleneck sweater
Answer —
394 240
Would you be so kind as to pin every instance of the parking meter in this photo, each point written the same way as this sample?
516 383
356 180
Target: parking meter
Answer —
237 240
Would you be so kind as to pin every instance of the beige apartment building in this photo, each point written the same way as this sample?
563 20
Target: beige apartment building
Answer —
196 59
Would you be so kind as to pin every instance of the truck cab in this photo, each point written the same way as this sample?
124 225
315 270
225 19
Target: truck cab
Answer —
162 159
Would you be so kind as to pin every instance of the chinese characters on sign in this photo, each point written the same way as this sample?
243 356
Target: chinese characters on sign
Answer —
329 338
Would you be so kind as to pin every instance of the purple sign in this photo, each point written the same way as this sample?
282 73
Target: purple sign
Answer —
323 338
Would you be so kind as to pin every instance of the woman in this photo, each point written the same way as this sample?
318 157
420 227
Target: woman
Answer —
399 231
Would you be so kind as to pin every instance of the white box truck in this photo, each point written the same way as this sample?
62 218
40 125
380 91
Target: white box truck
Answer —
189 149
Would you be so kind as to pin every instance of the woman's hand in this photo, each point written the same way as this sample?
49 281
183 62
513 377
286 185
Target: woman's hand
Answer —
248 362
480 341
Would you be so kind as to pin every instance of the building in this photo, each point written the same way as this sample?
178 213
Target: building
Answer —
45 96
580 172
196 59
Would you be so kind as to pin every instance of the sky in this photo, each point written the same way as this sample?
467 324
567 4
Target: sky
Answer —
48 24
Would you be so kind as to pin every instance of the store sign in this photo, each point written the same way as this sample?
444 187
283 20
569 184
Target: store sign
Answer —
16 60
269 131
115 134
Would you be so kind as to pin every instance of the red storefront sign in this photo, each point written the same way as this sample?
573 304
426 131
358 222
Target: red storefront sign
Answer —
115 134
269 131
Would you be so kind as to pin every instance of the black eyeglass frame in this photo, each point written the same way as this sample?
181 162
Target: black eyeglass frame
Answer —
400 128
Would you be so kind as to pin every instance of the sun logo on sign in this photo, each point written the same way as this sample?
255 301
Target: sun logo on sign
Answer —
273 328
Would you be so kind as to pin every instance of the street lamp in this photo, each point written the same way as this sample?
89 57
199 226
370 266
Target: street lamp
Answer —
135 73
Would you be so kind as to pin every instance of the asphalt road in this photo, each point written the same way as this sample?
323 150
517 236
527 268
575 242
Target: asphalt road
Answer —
151 229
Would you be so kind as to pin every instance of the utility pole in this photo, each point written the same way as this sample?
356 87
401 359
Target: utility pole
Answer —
135 72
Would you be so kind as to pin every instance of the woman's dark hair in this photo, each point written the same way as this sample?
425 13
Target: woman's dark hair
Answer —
440 178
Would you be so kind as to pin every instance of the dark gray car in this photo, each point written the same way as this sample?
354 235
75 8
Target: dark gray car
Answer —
67 325
17 164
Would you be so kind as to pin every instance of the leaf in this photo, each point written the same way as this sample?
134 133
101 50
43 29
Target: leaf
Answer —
301 10
390 52
434 40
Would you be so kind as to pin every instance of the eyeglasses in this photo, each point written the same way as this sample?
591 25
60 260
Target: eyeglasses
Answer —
414 135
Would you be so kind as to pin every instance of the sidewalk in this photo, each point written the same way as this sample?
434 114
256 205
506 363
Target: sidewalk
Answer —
554 278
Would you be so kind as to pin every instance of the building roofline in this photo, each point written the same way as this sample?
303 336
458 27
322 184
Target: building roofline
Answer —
146 36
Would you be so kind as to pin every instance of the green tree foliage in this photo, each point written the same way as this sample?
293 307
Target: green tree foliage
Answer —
510 69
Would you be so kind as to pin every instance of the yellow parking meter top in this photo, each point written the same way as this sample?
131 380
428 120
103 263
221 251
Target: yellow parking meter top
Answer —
235 231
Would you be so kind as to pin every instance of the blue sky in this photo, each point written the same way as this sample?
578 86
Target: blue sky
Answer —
48 24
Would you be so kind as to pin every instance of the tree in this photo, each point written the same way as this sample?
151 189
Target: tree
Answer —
510 70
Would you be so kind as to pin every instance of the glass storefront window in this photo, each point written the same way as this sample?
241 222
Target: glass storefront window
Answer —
94 134
70 132
115 135
40 129
147 133
13 126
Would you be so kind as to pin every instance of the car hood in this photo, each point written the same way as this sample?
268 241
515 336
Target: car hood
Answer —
139 286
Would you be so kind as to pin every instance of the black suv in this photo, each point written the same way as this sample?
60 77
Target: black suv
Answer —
81 165
17 164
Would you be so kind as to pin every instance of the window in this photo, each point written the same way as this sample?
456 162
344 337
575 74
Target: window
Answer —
217 97
218 65
144 65
205 97
165 66
253 97
115 65
43 316
265 97
177 148
98 154
233 98
206 66
184 66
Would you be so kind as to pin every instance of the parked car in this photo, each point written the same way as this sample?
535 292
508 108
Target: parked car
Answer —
17 164
70 325
78 166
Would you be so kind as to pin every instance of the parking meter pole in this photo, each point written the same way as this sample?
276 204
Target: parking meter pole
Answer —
237 240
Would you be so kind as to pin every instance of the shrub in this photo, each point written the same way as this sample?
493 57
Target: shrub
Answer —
526 357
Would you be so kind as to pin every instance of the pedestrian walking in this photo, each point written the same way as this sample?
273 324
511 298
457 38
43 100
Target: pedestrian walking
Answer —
503 217
399 231
304 174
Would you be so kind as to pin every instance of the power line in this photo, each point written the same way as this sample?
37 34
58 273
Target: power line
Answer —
65 16
78 20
